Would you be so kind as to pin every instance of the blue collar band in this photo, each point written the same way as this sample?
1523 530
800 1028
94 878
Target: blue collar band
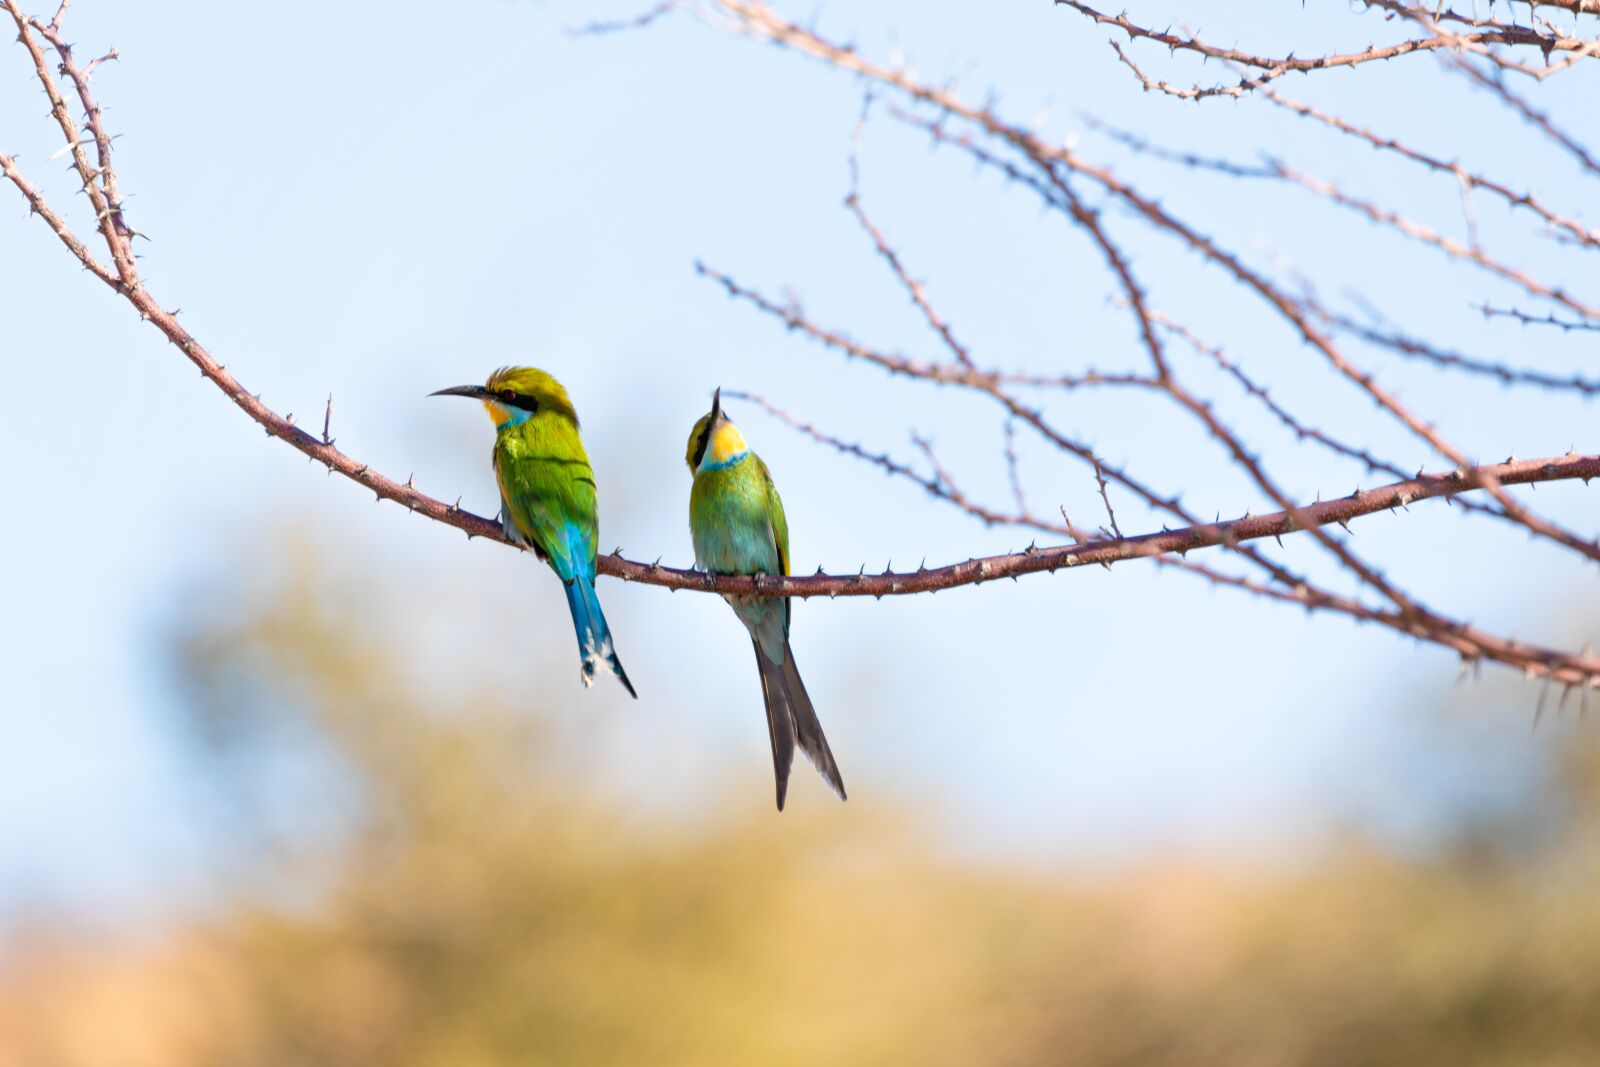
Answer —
713 465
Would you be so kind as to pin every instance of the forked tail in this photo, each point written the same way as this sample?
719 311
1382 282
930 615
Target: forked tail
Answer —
790 717
594 636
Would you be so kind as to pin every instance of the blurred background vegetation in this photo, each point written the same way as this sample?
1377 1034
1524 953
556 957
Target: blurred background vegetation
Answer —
275 797
419 874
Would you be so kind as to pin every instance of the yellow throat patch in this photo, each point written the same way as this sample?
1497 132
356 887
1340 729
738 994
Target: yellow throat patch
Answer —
726 443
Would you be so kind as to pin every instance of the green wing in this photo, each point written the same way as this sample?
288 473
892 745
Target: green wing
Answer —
780 524
780 530
547 487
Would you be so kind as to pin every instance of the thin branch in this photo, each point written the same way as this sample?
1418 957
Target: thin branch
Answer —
1046 169
37 204
1523 317
1014 467
1258 70
638 22
1417 349
913 288
1539 119
1051 167
1277 299
1455 249
1571 226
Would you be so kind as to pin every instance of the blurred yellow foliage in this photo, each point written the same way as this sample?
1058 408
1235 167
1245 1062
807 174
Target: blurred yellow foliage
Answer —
481 910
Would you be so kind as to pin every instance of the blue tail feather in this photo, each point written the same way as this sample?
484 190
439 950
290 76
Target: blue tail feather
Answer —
594 636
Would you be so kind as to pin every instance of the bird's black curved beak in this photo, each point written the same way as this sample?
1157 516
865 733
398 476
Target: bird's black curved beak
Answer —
476 392
716 404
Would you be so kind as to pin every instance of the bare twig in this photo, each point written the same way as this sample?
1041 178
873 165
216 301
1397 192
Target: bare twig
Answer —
638 22
1062 178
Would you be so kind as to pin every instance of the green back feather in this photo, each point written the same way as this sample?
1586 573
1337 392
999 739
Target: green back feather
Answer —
544 473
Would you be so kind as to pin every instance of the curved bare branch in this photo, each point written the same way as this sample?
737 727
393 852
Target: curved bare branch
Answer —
1053 171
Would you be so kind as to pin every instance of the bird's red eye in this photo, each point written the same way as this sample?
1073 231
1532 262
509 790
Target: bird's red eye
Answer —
508 394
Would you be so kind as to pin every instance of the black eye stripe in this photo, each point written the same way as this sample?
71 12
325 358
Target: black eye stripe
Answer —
700 444
512 398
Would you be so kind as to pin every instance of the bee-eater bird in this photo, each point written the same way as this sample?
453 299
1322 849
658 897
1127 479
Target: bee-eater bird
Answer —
547 494
738 526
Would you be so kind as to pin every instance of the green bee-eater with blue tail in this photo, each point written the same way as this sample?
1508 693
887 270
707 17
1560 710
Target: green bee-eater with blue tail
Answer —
547 494
737 522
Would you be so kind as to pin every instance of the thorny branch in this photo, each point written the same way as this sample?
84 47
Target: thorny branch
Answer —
1437 29
1057 174
1062 177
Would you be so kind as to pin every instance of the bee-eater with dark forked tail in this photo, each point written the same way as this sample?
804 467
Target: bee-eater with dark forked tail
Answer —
738 526
547 494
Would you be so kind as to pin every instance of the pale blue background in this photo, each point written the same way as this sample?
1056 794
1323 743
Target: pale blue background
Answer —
380 200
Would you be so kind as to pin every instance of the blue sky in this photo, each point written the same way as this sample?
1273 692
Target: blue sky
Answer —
383 202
